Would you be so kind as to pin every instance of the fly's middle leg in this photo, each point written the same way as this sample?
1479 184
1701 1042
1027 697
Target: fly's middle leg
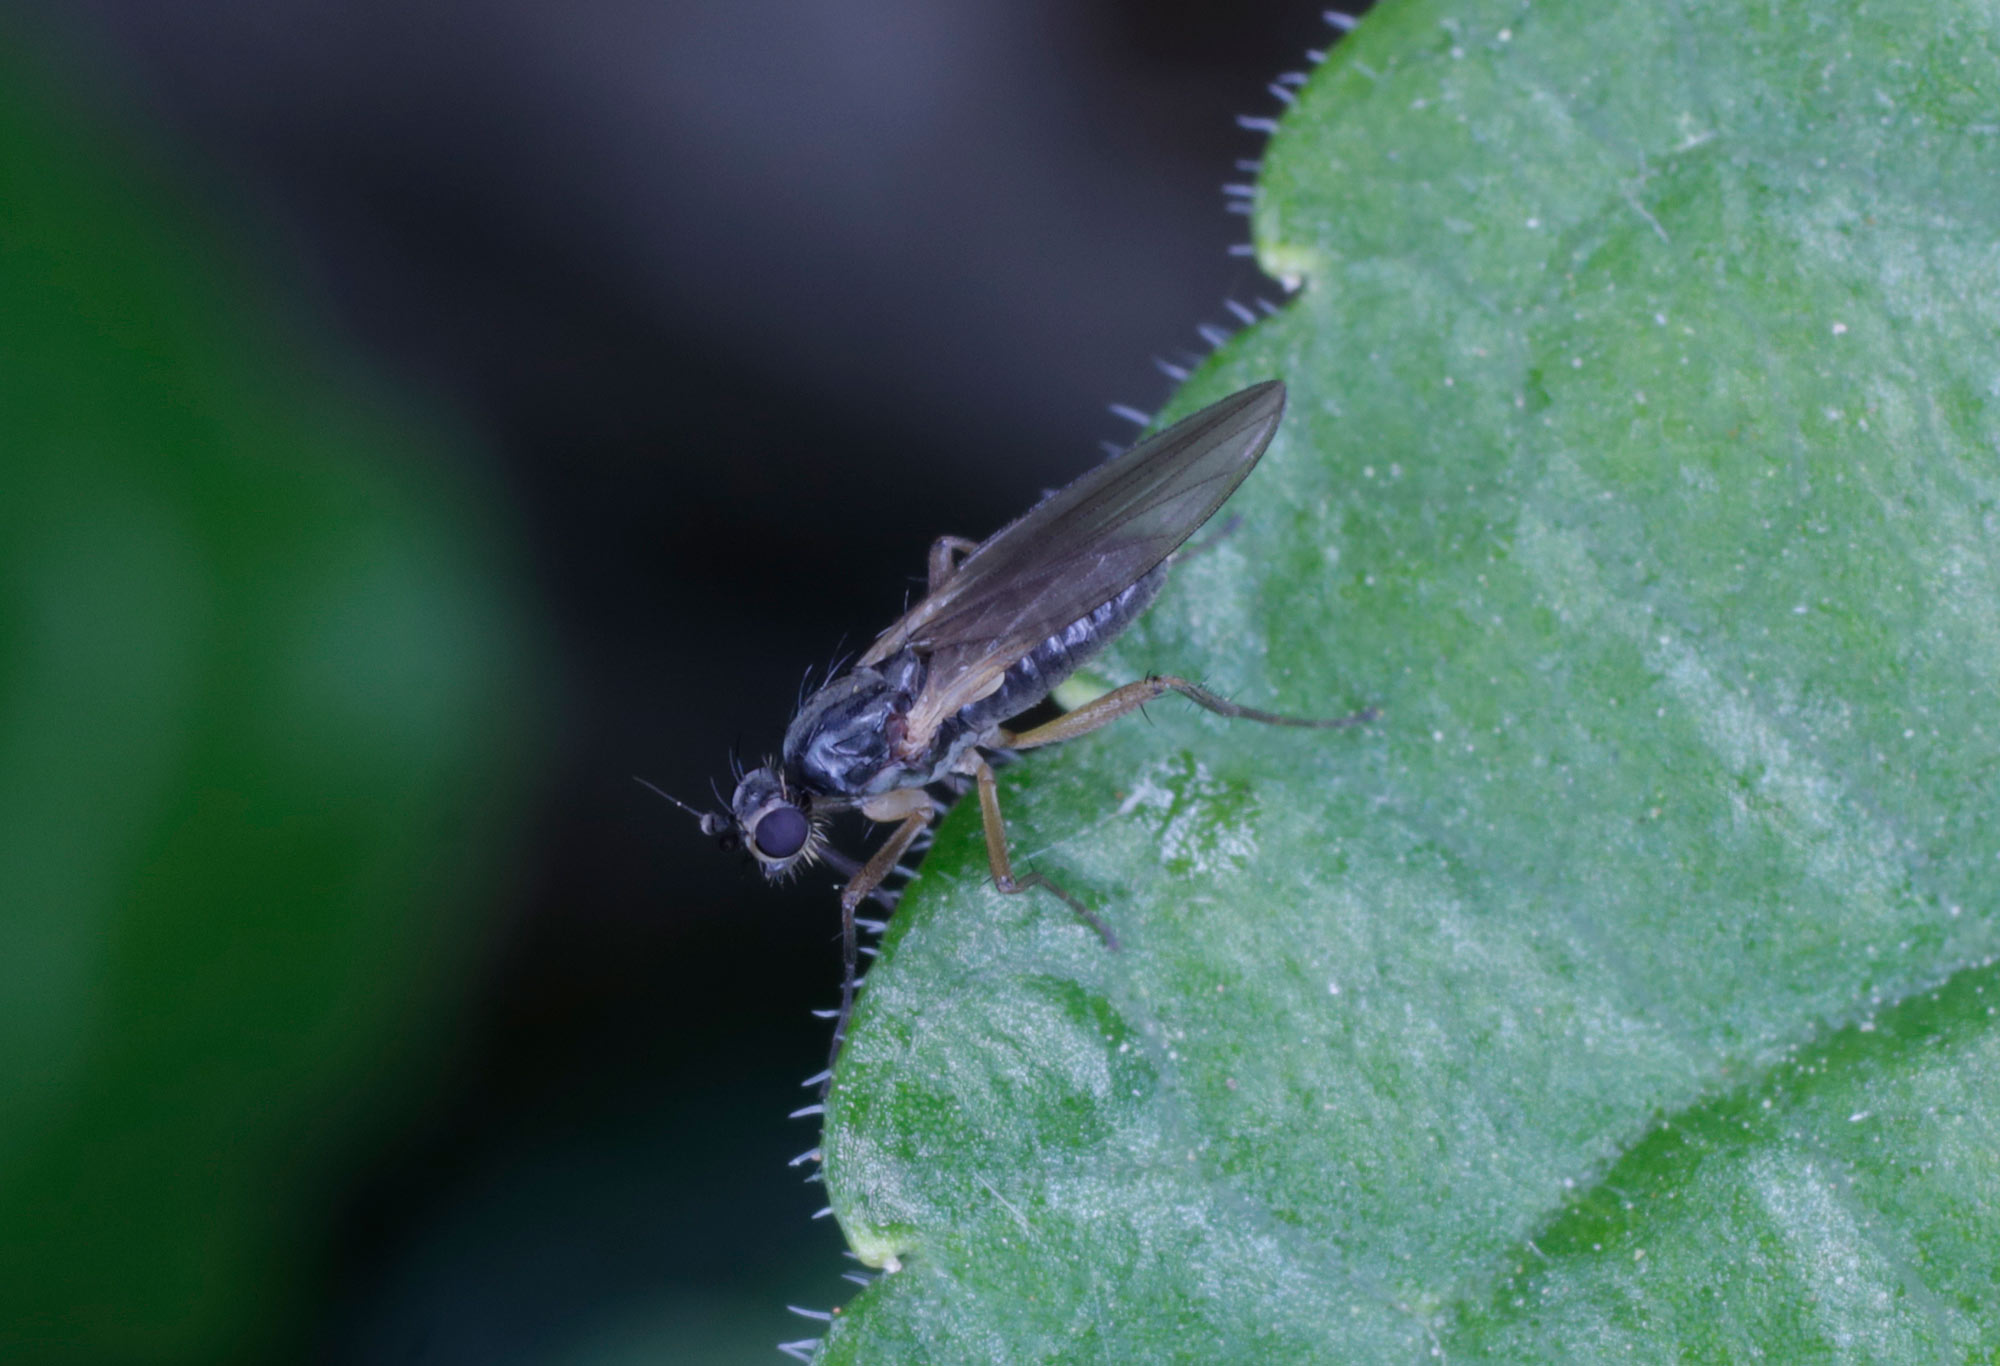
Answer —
1102 711
997 859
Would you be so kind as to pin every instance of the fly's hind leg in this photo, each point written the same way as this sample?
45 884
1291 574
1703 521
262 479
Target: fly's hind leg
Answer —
1004 876
1196 549
946 552
1102 711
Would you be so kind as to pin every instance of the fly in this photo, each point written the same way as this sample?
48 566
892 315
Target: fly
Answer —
1003 622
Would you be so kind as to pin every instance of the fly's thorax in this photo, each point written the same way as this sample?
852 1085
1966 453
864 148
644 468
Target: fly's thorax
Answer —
846 740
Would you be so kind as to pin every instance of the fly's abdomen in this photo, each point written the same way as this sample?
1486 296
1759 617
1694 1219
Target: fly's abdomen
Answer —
1038 672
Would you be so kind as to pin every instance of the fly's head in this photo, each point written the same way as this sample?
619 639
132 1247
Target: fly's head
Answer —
774 822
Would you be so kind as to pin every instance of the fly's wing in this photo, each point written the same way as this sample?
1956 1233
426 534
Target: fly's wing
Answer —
1080 547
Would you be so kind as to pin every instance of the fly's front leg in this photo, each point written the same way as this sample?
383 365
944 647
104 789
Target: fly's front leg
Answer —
1104 710
1003 866
945 554
912 807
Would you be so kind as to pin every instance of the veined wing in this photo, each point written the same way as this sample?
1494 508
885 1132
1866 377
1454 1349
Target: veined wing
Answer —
1081 547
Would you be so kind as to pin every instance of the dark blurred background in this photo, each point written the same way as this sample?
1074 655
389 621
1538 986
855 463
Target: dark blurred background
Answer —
694 322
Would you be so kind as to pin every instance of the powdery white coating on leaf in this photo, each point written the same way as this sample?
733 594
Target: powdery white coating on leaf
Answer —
1833 842
1853 1289
1205 826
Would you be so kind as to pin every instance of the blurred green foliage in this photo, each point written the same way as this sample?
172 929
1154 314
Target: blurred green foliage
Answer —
1626 991
263 710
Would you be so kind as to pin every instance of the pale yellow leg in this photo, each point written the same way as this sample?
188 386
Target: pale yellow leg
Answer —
1104 710
1003 866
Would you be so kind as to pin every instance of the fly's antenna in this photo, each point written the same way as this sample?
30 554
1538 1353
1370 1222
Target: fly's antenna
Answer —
657 790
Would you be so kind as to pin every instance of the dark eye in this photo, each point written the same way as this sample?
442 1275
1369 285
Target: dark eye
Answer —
781 833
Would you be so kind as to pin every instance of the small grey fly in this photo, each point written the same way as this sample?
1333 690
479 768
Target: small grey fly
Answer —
1004 621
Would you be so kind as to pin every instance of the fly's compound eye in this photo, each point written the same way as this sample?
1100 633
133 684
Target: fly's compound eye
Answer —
781 832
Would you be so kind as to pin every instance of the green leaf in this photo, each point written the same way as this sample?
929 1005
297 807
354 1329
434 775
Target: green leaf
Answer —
1623 990
261 722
